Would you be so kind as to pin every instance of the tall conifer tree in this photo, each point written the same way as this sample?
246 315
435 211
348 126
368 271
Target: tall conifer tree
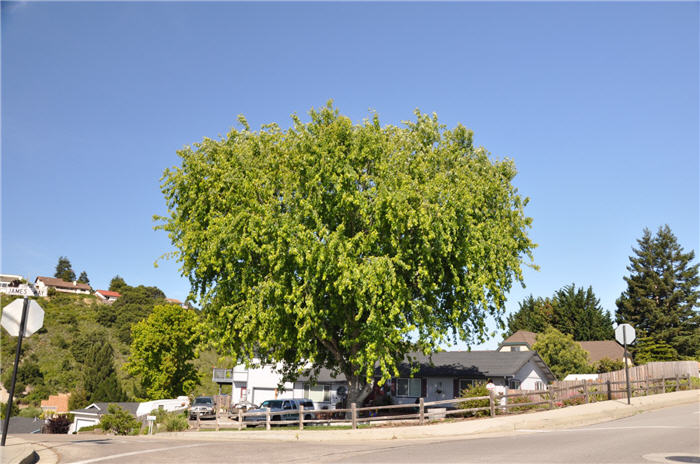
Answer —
100 378
662 293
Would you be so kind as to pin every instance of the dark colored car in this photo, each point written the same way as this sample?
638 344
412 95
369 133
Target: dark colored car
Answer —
203 407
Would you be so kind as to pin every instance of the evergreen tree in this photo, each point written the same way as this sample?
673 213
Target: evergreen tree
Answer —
64 270
570 310
578 312
83 278
662 293
100 378
117 284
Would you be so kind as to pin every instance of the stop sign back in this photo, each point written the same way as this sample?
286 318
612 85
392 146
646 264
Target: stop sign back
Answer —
12 317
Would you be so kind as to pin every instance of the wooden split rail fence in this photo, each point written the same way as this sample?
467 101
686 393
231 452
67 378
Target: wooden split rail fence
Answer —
422 412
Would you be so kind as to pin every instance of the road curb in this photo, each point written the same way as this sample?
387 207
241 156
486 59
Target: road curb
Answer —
572 416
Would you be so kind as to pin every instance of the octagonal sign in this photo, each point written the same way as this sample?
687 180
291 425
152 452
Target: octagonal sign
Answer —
625 331
12 317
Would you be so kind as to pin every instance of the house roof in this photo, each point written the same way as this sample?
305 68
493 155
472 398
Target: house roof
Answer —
521 337
464 364
600 349
60 283
23 425
173 300
108 293
100 408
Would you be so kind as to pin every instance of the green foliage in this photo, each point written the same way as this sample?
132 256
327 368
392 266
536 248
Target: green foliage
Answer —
649 349
522 400
84 278
343 244
561 353
30 411
118 421
475 391
135 304
662 294
64 270
3 410
78 399
100 378
59 423
608 365
162 351
570 310
171 421
117 284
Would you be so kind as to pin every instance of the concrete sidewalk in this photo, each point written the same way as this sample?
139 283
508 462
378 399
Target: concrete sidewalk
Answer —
21 451
572 416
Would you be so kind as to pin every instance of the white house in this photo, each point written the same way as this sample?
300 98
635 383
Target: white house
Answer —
107 296
91 414
42 284
439 377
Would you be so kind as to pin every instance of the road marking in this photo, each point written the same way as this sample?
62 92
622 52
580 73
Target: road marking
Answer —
592 429
134 453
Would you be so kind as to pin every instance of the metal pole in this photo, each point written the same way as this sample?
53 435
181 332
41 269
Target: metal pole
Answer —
22 324
627 369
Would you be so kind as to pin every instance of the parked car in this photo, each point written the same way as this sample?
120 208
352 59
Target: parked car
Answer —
280 410
203 407
243 406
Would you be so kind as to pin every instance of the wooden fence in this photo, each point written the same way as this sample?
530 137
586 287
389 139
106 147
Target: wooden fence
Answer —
654 370
422 412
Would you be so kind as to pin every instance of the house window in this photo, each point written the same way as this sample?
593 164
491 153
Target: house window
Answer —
317 393
465 384
514 384
539 385
514 348
408 387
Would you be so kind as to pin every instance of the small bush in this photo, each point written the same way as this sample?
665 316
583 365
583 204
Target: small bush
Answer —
521 400
176 423
59 423
574 401
30 412
89 428
118 420
477 390
3 409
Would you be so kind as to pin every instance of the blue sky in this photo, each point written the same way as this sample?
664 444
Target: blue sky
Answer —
597 103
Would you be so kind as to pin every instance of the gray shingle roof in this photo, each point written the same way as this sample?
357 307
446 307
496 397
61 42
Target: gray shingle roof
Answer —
23 425
464 364
100 408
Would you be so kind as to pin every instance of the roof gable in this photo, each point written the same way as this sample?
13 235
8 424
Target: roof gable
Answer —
60 283
521 337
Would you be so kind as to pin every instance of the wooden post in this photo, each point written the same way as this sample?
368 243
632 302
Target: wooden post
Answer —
678 383
492 402
301 417
646 386
690 384
198 424
663 384
551 396
609 389
421 411
585 392
267 418
353 407
240 419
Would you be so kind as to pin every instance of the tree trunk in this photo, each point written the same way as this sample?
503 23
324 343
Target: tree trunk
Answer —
358 390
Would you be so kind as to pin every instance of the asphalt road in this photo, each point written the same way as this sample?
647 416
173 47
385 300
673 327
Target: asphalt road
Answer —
648 437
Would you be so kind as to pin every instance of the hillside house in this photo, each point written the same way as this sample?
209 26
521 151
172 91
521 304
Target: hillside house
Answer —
42 284
107 296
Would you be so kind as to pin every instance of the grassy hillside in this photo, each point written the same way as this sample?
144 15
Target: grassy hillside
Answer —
52 359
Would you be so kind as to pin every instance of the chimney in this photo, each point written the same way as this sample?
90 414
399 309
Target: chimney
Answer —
75 283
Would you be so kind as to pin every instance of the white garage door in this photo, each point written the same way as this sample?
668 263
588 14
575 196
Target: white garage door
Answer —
262 394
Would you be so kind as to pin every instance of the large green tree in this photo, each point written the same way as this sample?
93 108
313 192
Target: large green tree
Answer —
561 353
662 294
64 270
83 278
134 304
570 310
346 245
163 348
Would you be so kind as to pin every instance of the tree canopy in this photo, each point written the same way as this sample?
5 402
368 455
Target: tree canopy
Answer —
100 377
661 296
570 310
135 304
162 351
64 270
83 278
345 245
561 353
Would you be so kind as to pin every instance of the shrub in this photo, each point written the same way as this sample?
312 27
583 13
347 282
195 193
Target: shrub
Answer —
59 423
3 409
521 400
89 428
574 401
176 423
30 412
118 420
477 390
